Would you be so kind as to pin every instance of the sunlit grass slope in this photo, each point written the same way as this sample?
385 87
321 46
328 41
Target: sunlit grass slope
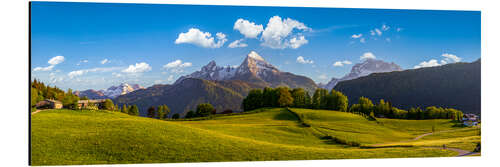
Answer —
63 137
355 128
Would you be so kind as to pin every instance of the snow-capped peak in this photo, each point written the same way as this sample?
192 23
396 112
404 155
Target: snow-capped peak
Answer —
364 68
255 55
121 89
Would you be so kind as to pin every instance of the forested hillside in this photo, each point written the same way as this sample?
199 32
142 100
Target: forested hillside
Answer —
453 85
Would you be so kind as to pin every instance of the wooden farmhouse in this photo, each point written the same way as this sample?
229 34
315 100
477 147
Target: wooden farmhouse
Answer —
49 104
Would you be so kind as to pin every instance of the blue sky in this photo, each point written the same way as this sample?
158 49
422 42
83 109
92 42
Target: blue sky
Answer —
96 45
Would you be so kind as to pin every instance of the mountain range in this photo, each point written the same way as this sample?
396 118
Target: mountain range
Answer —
455 85
367 67
111 92
223 87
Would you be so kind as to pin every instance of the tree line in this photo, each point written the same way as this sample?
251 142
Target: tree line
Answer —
297 98
40 91
335 100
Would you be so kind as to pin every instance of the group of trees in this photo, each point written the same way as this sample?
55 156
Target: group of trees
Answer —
385 109
40 91
298 97
335 100
202 110
131 110
161 112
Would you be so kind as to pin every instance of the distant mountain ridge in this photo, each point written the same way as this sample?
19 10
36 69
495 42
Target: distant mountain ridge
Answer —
362 69
455 85
109 93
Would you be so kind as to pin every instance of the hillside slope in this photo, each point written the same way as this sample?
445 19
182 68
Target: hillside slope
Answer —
187 95
453 85
66 137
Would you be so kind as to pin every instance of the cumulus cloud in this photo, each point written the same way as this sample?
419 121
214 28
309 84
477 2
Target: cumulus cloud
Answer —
297 42
277 30
53 62
104 61
237 44
247 28
177 66
137 68
367 55
75 73
448 58
56 60
356 36
202 39
430 63
341 63
302 60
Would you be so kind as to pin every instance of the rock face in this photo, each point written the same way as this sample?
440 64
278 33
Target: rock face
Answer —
254 69
211 72
111 92
121 89
364 68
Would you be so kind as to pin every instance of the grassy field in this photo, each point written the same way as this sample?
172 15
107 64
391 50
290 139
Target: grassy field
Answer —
66 137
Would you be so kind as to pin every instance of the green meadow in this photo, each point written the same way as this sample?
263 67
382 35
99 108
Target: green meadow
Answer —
68 137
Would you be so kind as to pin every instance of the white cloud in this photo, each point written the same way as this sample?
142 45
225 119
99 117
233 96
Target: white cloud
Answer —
177 66
302 60
82 61
84 71
399 29
48 68
448 58
277 30
56 60
137 68
53 62
296 43
322 77
356 36
237 44
247 28
362 40
430 63
76 73
104 61
375 31
367 55
379 33
117 75
341 63
170 78
385 27
203 39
